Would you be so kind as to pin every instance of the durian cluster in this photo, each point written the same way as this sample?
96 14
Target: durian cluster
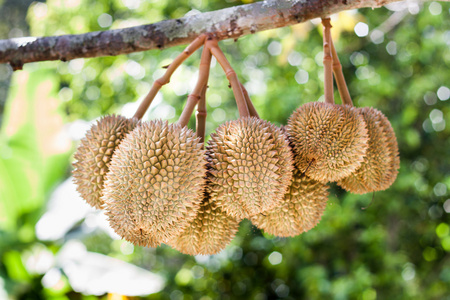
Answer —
157 184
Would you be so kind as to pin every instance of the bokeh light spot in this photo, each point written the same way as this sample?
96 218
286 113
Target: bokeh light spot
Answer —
440 189
361 29
132 4
377 36
391 48
183 277
446 244
275 258
447 206
430 98
409 272
274 48
443 93
214 100
301 76
126 248
429 254
104 20
295 58
65 94
435 8
219 115
39 10
442 230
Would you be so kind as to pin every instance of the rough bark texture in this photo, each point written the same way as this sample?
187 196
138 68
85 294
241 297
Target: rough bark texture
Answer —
226 23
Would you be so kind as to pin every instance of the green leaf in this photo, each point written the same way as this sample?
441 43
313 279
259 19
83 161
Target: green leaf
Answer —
34 156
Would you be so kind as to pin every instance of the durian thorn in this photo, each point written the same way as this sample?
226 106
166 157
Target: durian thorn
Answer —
231 75
197 43
251 108
327 62
201 115
339 76
194 97
371 201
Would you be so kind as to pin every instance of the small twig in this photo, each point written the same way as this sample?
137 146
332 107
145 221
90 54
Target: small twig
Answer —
231 75
197 43
195 96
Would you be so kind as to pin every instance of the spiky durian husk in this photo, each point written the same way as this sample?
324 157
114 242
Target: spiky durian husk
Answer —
156 181
330 141
209 233
392 146
138 236
250 166
94 154
301 210
376 167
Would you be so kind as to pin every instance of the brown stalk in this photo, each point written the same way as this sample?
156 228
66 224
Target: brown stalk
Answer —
213 46
327 62
251 108
339 77
197 43
201 115
195 96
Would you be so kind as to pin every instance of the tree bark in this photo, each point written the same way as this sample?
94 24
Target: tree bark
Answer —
232 22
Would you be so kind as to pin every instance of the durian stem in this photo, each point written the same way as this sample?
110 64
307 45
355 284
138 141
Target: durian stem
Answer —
197 43
251 108
194 97
201 115
213 46
339 77
327 62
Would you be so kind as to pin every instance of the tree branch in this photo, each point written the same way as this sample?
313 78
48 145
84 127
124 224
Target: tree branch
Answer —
232 22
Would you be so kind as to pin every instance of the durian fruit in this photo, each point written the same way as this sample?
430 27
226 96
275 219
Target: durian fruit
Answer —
379 168
155 184
330 141
249 166
94 154
301 210
209 233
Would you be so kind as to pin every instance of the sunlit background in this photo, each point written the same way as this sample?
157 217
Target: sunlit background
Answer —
54 246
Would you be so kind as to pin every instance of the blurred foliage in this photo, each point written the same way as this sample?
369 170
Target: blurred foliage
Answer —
12 25
397 248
